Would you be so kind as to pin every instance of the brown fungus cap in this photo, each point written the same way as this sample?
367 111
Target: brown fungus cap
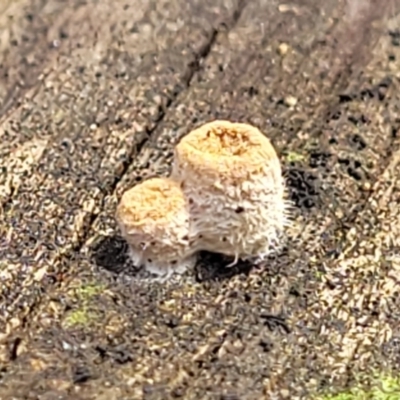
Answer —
226 151
156 200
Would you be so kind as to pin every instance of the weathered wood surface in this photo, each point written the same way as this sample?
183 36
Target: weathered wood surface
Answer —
93 97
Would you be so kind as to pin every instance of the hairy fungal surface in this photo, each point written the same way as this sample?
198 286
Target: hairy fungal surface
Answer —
232 179
154 219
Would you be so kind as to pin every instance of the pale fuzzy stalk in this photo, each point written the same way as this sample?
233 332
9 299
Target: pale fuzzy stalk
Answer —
161 271
244 224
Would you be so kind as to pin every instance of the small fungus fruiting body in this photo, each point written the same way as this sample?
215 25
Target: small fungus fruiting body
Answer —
232 179
154 219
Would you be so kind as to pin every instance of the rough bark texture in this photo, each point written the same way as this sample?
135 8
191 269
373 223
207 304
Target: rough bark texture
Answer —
93 96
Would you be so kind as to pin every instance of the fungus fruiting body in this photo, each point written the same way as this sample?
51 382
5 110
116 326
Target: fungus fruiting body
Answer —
154 219
232 179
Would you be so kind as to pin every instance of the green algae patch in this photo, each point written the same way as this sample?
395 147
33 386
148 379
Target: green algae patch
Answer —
84 311
87 291
78 317
293 157
382 388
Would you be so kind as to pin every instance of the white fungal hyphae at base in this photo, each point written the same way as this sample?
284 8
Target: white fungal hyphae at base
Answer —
232 179
154 219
